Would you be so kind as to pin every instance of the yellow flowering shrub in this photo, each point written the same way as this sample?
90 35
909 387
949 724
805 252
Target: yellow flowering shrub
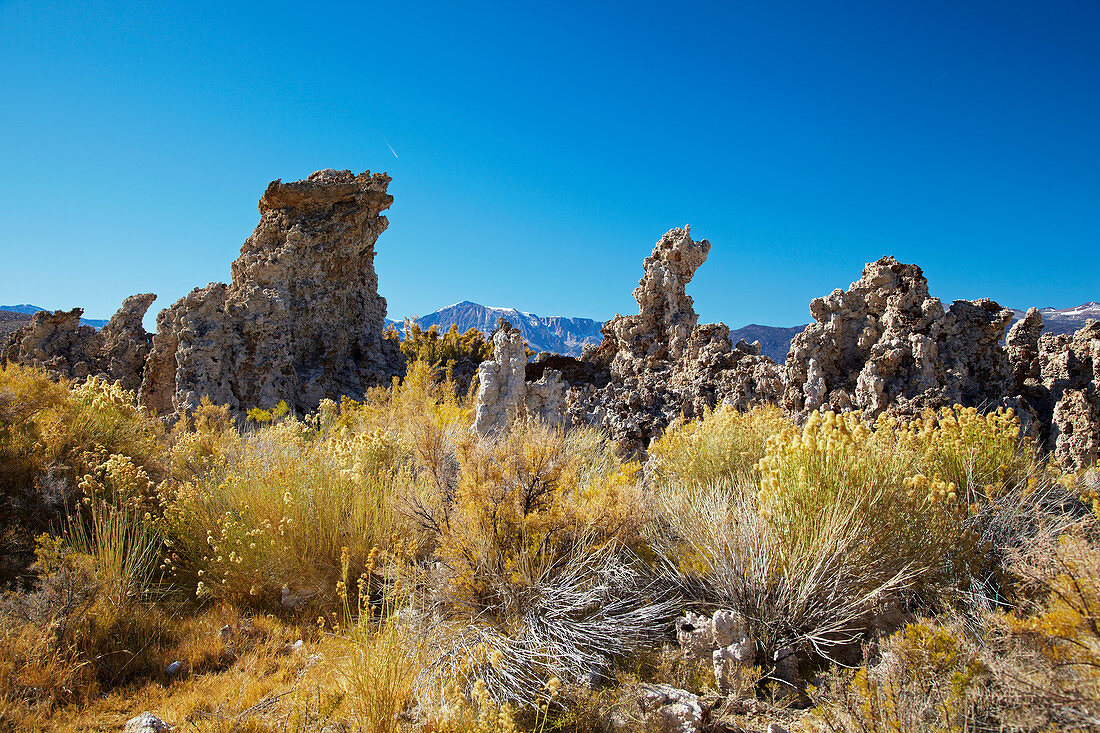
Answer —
441 349
54 436
723 444
271 530
930 679
526 501
835 466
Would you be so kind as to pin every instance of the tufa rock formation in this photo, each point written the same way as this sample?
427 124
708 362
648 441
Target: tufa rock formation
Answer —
1057 378
301 320
56 342
504 394
126 343
662 363
722 640
887 344
665 709
658 334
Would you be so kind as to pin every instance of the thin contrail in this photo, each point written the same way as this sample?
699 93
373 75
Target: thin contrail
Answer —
933 81
391 148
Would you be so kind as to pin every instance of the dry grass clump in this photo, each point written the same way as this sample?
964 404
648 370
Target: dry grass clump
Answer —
270 531
840 525
81 631
262 517
1034 668
51 437
536 578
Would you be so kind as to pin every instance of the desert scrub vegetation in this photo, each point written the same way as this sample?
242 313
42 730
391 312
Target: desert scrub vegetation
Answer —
1031 667
55 440
377 566
824 534
441 349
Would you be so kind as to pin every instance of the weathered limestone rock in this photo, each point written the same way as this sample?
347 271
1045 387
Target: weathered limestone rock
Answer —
1022 345
126 343
887 344
55 341
504 395
735 650
663 364
1069 386
1056 378
723 639
301 320
501 393
667 709
711 371
146 723
545 400
659 332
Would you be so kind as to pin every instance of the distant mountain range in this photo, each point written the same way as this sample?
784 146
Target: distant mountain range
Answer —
569 335
1064 320
555 334
29 309
775 341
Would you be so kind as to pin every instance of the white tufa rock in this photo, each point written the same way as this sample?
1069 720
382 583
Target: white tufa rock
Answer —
670 710
146 723
504 396
722 639
735 650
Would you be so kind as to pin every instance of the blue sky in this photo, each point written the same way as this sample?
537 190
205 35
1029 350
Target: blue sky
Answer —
543 148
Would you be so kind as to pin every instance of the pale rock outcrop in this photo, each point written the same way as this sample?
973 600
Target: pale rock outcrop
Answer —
658 334
667 709
505 396
545 400
886 344
501 393
723 640
58 343
1070 371
300 321
713 371
1057 378
662 363
146 723
126 343
1022 345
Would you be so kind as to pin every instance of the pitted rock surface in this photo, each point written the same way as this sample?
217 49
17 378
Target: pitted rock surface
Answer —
126 343
722 640
663 364
1058 380
504 395
886 344
302 319
659 333
501 393
55 341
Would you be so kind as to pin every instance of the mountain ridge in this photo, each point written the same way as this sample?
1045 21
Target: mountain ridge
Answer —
30 310
556 334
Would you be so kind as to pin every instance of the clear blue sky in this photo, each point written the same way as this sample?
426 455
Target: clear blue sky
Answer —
544 147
